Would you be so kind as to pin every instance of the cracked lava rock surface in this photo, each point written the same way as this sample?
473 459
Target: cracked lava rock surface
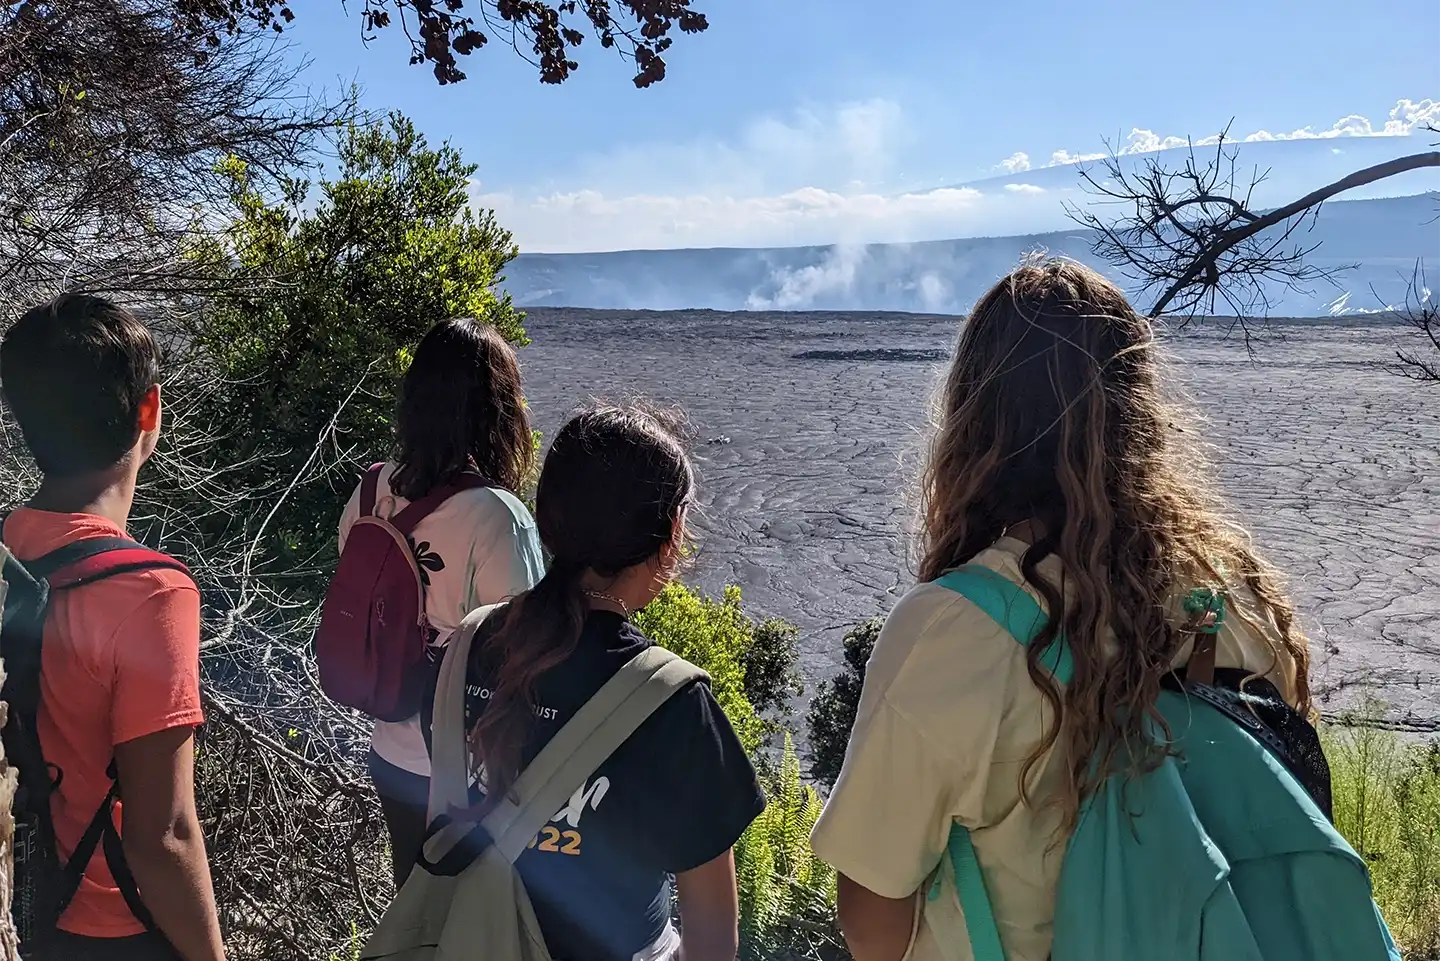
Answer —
810 428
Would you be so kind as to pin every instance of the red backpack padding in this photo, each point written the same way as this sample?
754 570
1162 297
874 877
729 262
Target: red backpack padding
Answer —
374 635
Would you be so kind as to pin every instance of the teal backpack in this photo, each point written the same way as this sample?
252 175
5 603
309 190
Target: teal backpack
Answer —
1220 854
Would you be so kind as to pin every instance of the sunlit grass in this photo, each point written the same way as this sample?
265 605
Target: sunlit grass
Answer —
1387 804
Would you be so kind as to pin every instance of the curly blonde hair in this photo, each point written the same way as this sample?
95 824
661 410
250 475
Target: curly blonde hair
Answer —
1052 413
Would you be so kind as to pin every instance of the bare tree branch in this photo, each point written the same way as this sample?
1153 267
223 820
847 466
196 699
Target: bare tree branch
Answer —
1221 244
113 118
1192 238
1422 313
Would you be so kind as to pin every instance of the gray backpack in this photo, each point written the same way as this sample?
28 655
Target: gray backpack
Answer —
465 899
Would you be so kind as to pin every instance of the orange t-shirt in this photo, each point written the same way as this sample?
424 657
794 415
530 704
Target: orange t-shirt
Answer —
121 660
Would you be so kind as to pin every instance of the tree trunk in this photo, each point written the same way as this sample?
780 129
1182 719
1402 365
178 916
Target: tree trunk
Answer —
9 942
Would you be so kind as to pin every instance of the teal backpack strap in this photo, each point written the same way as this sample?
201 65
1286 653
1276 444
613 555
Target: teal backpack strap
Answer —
974 898
1011 606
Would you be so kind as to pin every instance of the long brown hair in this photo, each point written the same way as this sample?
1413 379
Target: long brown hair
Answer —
612 490
461 409
1052 413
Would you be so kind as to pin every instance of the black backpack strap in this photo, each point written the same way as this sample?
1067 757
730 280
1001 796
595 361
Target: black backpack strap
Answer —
73 873
1256 706
97 558
102 833
124 878
74 552
115 856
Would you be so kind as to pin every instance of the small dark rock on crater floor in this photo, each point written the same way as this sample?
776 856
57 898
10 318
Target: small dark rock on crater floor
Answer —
899 354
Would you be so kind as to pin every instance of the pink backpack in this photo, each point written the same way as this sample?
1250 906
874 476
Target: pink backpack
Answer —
373 641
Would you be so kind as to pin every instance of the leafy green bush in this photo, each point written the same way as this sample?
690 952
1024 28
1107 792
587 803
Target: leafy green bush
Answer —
712 635
1387 804
771 681
324 303
292 366
321 298
832 713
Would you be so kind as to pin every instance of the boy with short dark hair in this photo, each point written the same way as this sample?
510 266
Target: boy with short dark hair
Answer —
119 676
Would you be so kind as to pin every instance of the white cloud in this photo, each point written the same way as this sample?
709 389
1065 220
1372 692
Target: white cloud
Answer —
1351 126
1408 116
1148 141
819 175
590 220
1411 116
1017 162
1060 157
744 192
832 148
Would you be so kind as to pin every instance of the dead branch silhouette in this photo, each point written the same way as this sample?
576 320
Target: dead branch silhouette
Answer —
1421 313
1192 239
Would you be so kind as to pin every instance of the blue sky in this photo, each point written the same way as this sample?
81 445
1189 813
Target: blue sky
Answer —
800 121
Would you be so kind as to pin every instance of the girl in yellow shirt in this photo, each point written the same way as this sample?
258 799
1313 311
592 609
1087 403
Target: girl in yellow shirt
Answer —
1060 462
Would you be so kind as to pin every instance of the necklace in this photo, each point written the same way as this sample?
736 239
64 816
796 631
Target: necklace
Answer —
610 598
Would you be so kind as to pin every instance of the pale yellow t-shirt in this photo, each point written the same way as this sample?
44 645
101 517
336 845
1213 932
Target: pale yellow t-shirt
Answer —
947 718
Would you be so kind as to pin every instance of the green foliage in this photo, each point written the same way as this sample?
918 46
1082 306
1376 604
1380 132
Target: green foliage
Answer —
1387 804
832 713
325 304
713 635
771 680
787 895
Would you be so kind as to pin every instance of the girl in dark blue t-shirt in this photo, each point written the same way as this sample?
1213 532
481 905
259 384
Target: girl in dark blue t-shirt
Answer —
674 798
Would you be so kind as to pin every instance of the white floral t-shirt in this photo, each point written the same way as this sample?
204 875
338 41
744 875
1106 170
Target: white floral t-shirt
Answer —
479 547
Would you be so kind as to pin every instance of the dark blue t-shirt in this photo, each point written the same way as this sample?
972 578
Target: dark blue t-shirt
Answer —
676 795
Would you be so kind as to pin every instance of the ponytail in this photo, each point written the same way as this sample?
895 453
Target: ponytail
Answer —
539 630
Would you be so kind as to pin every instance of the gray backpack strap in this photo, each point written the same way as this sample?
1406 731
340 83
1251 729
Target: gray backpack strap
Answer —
586 741
450 761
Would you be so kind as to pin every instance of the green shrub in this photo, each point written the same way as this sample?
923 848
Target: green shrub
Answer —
751 665
771 681
1387 804
317 321
787 897
832 713
713 635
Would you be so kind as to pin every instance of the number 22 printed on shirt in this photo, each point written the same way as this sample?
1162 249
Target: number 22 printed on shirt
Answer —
552 839
558 840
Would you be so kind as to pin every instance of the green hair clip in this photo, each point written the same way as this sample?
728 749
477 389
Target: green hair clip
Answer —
1206 607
